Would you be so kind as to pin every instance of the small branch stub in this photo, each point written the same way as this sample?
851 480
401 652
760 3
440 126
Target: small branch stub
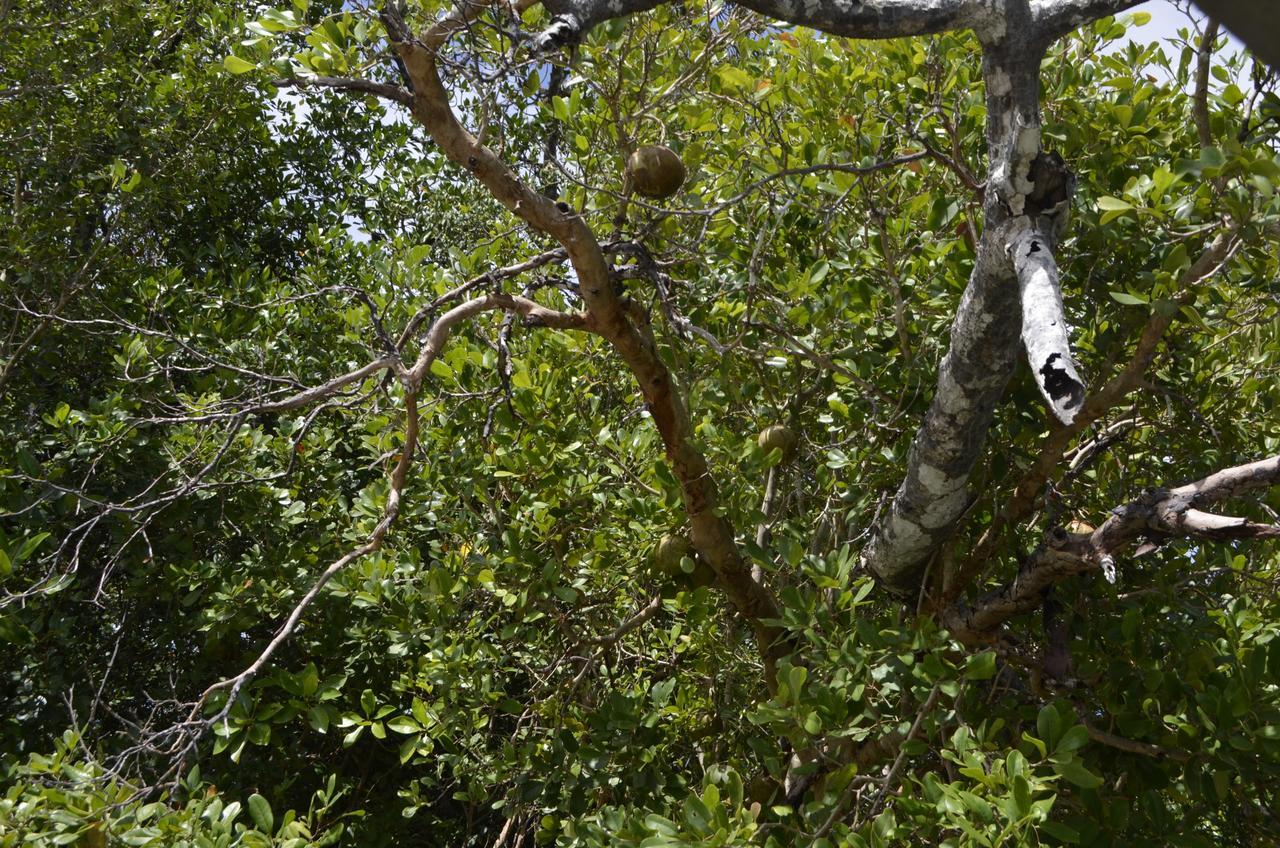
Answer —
1044 326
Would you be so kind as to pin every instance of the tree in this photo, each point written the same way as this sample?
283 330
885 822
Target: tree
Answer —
357 489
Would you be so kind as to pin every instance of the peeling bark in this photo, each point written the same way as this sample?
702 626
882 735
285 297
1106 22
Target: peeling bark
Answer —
1044 326
1107 397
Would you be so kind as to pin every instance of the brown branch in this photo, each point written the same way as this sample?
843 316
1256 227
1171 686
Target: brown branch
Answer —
647 612
1120 743
534 313
412 381
898 762
610 314
611 638
1200 99
315 393
487 278
390 510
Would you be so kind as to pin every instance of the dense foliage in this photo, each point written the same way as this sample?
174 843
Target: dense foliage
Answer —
187 242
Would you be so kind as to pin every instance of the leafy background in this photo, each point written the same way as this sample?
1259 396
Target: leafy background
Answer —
183 235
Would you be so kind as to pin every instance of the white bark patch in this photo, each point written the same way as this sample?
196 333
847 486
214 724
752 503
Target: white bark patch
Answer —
1045 334
998 83
908 534
943 511
1026 145
938 483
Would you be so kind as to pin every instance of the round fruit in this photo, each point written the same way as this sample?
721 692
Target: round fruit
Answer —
671 549
655 171
703 575
779 437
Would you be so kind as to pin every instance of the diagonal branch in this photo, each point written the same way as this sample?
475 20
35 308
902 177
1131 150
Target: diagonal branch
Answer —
619 322
437 336
984 336
1044 325
1117 389
1162 512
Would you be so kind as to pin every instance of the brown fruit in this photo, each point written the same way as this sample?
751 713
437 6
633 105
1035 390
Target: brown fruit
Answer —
671 549
655 171
779 437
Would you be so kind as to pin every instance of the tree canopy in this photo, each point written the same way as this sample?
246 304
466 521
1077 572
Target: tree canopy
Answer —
385 461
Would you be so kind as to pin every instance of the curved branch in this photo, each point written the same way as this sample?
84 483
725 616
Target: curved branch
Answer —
610 315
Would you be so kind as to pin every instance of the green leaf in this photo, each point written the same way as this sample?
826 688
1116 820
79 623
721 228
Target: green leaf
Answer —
1074 771
1022 795
1049 725
1107 203
260 812
981 666
403 724
1127 299
1061 832
236 65
1074 739
408 748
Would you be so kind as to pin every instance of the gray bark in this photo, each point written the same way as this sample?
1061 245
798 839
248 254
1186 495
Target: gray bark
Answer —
849 18
980 360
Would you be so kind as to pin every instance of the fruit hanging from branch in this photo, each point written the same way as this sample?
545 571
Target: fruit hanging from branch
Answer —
655 171
670 550
779 437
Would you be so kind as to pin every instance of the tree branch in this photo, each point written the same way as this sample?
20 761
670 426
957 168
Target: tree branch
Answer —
350 85
972 377
1044 326
1200 98
1054 18
610 314
862 19
1164 512
1032 484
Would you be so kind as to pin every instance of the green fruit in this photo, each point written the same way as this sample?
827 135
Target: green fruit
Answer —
703 575
823 534
779 437
671 549
655 171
